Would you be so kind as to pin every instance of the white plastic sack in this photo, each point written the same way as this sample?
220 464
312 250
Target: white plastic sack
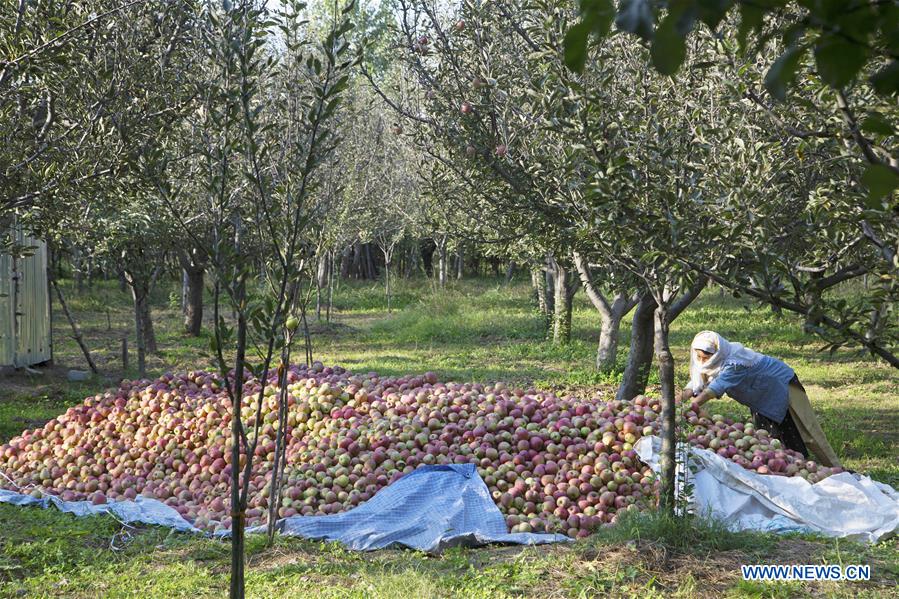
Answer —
842 505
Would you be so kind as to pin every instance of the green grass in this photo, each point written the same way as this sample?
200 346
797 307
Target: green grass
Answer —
475 330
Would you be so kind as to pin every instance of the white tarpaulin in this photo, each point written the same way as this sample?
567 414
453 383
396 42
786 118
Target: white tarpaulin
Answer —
842 505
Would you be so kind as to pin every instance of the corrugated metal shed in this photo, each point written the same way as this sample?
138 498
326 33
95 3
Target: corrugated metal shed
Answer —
24 305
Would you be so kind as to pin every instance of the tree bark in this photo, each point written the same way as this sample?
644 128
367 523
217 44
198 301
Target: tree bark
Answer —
345 262
143 324
194 274
321 272
607 350
412 263
238 507
639 358
610 315
185 286
549 284
193 316
357 261
140 343
645 338
76 267
388 255
371 272
330 287
538 282
441 265
564 286
666 378
147 319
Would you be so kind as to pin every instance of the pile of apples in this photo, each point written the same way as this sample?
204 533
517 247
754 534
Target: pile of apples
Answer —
551 463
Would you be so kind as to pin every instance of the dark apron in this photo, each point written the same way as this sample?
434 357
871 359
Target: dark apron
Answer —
786 430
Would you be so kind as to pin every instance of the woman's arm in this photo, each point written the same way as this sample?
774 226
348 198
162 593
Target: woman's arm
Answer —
702 398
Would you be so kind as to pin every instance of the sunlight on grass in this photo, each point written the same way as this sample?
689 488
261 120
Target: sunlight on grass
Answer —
475 330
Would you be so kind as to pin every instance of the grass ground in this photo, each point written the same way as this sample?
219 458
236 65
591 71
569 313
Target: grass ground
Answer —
475 330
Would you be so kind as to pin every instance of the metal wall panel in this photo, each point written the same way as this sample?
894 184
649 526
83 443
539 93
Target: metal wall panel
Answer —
24 306
7 313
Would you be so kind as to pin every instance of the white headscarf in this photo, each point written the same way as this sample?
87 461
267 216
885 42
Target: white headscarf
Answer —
723 352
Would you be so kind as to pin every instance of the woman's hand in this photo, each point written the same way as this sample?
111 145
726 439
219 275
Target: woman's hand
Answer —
699 400
686 394
698 410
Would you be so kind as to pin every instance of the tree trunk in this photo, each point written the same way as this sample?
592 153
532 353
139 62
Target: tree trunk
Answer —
307 338
564 287
639 358
143 324
442 266
238 507
460 261
610 315
666 377
185 286
538 282
371 272
510 271
412 263
90 272
607 351
140 343
76 267
345 262
321 272
388 255
387 284
147 318
330 286
644 338
356 269
193 316
549 284
76 332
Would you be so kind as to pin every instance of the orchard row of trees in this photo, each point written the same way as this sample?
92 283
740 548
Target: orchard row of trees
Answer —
115 172
138 131
760 153
637 150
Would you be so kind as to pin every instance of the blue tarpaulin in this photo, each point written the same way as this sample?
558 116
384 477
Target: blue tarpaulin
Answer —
430 509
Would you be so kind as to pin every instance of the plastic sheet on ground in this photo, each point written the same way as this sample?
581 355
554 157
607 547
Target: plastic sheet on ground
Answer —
430 509
842 505
141 510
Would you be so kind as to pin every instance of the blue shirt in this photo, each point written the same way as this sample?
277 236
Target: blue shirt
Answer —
762 387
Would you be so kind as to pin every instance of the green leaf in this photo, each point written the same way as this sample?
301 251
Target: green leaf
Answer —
751 17
877 123
886 80
635 16
880 180
599 14
669 47
783 72
839 60
711 12
576 46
